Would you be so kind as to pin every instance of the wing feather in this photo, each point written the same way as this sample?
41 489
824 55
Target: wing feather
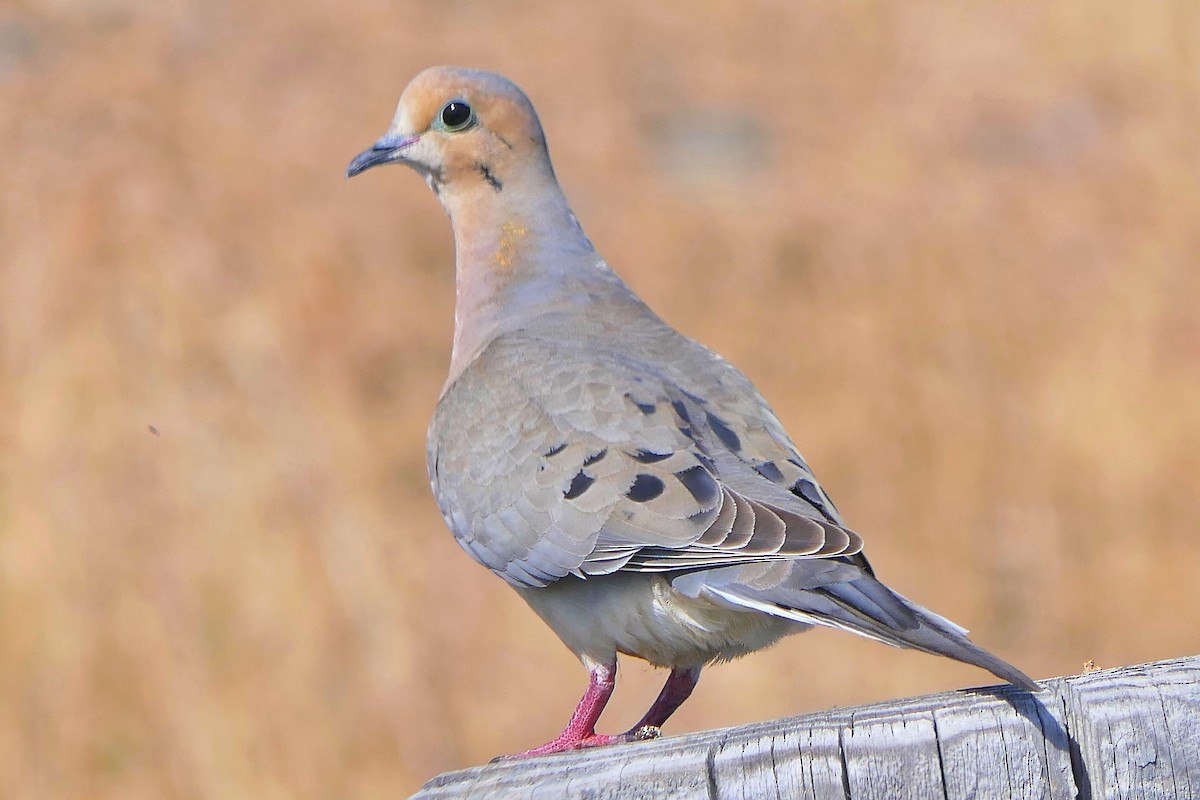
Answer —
546 466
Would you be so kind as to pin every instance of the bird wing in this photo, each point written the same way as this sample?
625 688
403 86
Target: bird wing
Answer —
549 459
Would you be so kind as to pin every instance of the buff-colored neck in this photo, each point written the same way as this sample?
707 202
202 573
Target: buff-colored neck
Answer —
519 251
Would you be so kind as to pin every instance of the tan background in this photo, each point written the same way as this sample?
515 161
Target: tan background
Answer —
956 245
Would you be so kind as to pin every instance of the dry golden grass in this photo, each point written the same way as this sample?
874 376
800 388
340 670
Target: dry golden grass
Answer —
958 251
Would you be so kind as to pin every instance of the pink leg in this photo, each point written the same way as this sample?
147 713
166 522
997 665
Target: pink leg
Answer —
678 688
581 730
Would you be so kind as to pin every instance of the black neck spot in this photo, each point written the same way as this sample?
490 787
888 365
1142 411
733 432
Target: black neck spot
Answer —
492 180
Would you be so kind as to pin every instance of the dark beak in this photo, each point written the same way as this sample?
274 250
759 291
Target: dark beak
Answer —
388 149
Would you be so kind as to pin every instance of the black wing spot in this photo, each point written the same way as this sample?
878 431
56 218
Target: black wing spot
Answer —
645 488
705 461
645 408
700 483
594 457
724 433
579 485
650 457
769 471
555 450
681 410
808 490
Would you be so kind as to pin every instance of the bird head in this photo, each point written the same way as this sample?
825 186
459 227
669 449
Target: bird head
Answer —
464 130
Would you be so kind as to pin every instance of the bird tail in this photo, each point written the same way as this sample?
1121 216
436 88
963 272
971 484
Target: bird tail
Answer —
864 606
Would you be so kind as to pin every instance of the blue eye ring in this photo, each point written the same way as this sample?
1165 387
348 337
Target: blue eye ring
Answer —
457 116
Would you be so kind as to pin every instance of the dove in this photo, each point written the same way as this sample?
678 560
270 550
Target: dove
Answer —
631 485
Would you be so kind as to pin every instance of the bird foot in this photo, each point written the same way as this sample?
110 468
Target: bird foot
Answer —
567 742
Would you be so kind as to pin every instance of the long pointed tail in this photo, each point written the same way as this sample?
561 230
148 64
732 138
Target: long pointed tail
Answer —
866 607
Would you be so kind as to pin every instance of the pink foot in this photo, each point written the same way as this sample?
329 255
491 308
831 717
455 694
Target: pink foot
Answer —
564 743
581 730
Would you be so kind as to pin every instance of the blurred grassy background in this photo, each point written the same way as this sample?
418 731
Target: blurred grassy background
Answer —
956 246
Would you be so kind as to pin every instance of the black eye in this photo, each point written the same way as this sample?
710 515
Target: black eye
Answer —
457 115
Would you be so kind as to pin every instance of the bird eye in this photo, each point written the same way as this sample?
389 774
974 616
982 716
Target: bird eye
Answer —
457 115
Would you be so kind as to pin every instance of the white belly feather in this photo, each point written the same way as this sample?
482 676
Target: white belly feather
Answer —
639 614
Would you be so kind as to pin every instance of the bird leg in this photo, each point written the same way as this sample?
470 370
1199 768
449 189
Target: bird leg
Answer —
678 688
581 730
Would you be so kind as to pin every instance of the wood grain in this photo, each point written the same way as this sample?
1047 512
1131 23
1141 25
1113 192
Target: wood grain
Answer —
1129 732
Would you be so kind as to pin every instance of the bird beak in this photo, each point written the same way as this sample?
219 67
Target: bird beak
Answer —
388 149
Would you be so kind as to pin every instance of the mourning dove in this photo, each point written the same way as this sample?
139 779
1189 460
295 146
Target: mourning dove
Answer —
633 487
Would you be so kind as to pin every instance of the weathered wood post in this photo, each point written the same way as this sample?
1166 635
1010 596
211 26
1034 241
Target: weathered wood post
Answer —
1130 732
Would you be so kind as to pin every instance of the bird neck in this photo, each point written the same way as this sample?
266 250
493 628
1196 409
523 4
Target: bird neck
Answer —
519 252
